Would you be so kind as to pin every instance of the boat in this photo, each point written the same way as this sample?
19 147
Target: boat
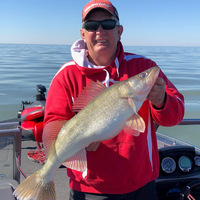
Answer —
179 176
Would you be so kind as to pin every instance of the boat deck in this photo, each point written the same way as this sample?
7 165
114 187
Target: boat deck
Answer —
61 179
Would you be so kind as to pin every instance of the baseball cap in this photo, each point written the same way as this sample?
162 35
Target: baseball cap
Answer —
104 4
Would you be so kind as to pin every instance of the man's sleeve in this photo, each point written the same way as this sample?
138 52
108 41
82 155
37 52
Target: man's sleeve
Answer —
173 111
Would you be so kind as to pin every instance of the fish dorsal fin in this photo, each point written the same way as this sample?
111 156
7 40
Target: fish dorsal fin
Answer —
90 92
135 125
78 162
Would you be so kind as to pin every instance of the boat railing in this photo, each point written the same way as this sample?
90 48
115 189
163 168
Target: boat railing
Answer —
10 150
190 122
165 140
10 158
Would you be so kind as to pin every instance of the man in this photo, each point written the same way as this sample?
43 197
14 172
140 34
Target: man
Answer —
124 167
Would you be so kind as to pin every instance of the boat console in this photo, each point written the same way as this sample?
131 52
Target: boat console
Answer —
179 167
179 176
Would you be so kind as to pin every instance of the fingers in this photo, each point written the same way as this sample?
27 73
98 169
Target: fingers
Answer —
159 85
157 93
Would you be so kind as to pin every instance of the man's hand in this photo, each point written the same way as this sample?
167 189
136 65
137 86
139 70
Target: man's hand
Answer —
157 93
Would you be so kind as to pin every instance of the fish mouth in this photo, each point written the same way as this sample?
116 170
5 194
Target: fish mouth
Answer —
150 79
154 73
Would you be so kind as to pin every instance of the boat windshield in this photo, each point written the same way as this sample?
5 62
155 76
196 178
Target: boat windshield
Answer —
186 133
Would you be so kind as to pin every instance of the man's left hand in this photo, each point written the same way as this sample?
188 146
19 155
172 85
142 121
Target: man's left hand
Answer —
157 93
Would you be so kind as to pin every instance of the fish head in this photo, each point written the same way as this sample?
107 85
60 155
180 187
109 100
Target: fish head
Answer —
142 83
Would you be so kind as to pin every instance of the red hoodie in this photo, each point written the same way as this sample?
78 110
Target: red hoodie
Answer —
124 163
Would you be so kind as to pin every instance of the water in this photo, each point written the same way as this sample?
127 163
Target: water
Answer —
22 67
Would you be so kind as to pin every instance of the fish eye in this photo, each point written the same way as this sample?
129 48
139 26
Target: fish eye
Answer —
143 75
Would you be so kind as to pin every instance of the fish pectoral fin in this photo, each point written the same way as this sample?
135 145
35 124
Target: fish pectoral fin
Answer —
135 125
93 147
78 162
132 104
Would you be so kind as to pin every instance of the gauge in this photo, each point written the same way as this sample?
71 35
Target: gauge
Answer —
185 164
197 160
168 165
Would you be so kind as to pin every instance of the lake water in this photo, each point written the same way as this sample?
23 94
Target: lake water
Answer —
24 66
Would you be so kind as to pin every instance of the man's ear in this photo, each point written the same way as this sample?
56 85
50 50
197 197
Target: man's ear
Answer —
120 31
82 31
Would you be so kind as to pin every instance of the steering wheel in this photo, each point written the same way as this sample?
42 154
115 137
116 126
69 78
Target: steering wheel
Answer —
186 191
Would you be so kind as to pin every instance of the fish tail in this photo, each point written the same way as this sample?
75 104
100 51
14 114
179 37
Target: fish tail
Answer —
34 188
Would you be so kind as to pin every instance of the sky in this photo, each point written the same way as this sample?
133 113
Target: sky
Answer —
145 22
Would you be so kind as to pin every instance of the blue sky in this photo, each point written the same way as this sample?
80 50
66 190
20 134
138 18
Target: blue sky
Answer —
146 22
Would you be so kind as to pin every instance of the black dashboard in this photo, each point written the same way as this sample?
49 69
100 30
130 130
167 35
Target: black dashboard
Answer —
179 167
178 162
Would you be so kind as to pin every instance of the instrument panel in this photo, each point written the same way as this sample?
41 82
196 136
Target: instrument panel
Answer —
178 161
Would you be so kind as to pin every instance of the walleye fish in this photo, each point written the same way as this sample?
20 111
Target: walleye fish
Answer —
101 119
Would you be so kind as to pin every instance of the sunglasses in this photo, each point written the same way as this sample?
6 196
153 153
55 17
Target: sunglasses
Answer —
107 24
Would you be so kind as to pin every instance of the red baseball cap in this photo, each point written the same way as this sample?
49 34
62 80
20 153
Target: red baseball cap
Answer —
104 4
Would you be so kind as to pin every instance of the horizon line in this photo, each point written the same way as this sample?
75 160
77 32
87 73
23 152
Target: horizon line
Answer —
142 45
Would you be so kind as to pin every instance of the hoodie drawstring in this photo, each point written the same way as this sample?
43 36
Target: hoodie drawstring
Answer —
106 82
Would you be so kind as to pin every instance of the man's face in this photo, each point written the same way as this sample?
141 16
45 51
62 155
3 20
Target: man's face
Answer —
101 42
